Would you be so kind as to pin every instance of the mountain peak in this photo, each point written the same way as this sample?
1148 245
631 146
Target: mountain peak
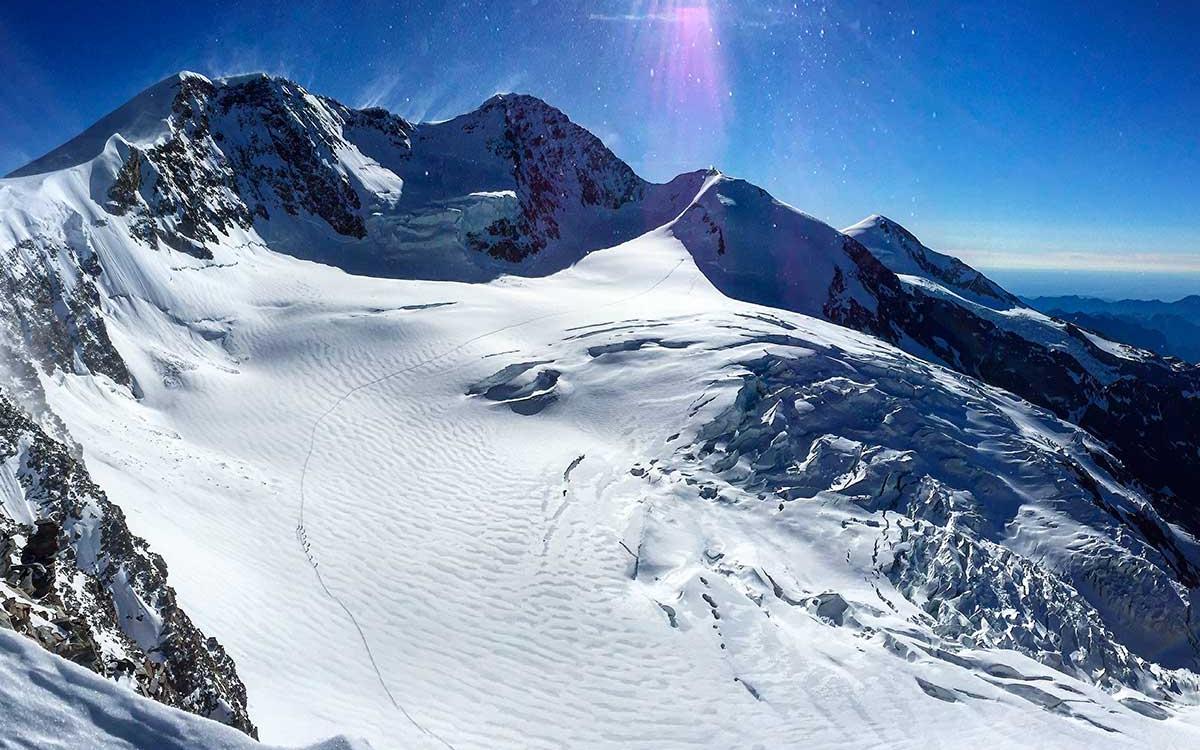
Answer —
185 75
883 224
901 251
514 97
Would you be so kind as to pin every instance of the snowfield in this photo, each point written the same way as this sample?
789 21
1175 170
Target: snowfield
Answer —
605 507
477 554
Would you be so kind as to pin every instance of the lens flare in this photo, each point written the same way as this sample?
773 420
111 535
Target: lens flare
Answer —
679 43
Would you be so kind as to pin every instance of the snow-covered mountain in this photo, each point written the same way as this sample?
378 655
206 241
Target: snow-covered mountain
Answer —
539 454
190 160
1142 405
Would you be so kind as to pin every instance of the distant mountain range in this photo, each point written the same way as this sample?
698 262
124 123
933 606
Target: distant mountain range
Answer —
1168 328
462 434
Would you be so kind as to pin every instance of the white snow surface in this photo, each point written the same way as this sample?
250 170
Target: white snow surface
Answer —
50 704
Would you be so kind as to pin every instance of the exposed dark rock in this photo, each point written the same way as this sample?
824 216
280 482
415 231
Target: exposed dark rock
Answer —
123 195
50 309
556 164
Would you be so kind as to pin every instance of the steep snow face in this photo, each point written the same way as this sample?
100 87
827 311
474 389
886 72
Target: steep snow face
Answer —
50 704
757 249
142 120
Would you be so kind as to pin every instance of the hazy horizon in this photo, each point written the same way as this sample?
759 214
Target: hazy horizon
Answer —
1112 286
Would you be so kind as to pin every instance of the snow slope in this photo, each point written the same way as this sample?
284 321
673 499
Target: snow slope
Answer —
608 506
472 579
903 253
51 704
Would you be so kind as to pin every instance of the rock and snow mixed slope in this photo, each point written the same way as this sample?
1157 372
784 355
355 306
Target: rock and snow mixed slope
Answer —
1142 405
51 704
543 494
77 581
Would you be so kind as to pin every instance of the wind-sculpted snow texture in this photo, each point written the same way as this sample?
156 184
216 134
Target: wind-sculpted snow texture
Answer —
576 460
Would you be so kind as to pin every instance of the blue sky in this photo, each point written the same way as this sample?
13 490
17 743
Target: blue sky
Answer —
1015 135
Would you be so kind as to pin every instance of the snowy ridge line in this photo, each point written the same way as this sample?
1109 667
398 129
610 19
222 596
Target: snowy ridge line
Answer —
301 530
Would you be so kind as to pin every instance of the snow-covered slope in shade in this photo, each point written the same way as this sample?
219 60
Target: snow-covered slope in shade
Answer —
51 704
757 249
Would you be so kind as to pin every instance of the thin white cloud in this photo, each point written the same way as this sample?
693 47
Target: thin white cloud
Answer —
1084 261
757 18
418 100
632 17
379 91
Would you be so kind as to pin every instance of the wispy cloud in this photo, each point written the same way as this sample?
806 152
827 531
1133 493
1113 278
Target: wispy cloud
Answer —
379 91
1084 261
417 100
234 60
676 12
633 17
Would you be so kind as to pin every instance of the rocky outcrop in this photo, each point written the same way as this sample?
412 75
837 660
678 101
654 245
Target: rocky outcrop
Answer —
239 151
556 166
282 144
50 311
75 579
